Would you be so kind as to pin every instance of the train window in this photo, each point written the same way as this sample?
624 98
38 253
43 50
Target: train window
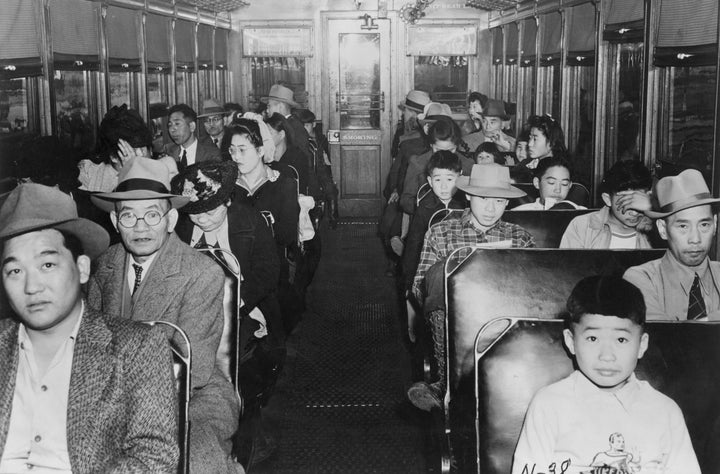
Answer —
510 89
122 28
444 77
269 70
185 61
14 105
73 93
359 80
549 73
497 62
526 85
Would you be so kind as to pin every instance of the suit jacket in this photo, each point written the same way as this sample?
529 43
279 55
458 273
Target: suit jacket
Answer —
182 286
204 152
122 405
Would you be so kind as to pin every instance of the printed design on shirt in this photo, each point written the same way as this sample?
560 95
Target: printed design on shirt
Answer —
616 460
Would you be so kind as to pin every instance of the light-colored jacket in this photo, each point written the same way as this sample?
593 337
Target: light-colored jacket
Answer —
592 231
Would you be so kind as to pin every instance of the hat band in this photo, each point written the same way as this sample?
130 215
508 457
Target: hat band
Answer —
141 184
677 205
414 105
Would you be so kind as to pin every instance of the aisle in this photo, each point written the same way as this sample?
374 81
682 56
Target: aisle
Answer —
334 410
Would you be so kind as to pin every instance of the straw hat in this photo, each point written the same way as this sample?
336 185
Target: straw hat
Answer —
208 185
31 207
211 107
676 193
415 100
140 178
282 94
489 180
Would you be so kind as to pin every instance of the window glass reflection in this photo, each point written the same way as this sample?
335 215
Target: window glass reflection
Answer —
360 98
72 103
266 71
120 88
13 105
445 78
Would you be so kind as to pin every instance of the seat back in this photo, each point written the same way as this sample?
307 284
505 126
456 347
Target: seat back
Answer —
578 194
492 283
424 190
681 362
182 365
546 227
443 214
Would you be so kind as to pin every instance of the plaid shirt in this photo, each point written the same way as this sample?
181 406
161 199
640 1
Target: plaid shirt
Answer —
447 236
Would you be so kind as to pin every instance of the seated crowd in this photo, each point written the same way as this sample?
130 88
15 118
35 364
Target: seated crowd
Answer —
200 232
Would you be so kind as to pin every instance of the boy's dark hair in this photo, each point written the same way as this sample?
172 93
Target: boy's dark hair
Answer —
185 110
608 296
547 163
443 159
492 148
626 175
478 97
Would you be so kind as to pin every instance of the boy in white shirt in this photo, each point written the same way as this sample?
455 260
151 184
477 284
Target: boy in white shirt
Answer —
602 415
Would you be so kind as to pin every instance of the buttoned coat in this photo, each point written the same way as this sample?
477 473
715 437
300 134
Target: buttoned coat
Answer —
122 404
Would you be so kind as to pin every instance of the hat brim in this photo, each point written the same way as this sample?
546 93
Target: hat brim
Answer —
106 201
403 106
291 103
95 240
501 117
715 202
209 114
463 183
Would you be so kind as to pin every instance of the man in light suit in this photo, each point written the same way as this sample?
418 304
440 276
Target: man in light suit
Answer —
186 149
78 392
153 275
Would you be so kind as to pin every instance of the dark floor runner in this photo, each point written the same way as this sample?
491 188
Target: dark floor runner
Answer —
335 407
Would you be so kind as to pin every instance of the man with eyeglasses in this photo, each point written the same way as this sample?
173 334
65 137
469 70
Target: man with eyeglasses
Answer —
213 118
153 275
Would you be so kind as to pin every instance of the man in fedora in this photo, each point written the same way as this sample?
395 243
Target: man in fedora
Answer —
213 118
153 275
79 392
186 149
488 190
684 284
494 116
281 100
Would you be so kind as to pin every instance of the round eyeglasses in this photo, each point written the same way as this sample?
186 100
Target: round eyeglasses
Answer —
213 120
151 218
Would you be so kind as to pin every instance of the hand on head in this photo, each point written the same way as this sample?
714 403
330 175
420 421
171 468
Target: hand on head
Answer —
635 200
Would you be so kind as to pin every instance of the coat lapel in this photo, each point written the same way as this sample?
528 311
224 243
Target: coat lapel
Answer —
111 277
8 371
153 297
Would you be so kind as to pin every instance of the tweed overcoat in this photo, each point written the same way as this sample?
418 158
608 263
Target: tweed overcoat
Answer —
122 404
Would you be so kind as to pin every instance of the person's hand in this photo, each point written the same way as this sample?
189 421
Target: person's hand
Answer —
394 197
127 152
635 200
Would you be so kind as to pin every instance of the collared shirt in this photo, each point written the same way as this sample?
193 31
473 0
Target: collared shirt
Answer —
218 236
447 236
571 423
191 152
37 434
131 270
592 231
549 203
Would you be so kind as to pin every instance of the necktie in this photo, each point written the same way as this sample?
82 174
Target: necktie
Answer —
183 160
138 277
215 141
696 303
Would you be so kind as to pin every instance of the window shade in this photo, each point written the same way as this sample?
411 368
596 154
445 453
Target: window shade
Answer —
497 38
687 33
221 41
551 31
527 54
74 33
625 21
581 38
19 39
511 45
157 38
205 45
121 27
185 45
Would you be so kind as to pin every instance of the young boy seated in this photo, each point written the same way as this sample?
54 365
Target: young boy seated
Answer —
552 180
620 224
601 415
442 171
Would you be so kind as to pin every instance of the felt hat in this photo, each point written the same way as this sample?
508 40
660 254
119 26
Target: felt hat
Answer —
495 108
31 207
282 94
676 193
415 100
432 111
489 180
211 107
305 115
140 178
208 185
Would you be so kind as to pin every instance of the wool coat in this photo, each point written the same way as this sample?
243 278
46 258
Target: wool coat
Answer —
122 404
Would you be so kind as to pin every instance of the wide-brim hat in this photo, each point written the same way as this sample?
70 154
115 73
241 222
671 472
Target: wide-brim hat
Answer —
140 178
676 193
208 185
212 107
495 108
432 111
282 94
31 207
489 180
415 100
